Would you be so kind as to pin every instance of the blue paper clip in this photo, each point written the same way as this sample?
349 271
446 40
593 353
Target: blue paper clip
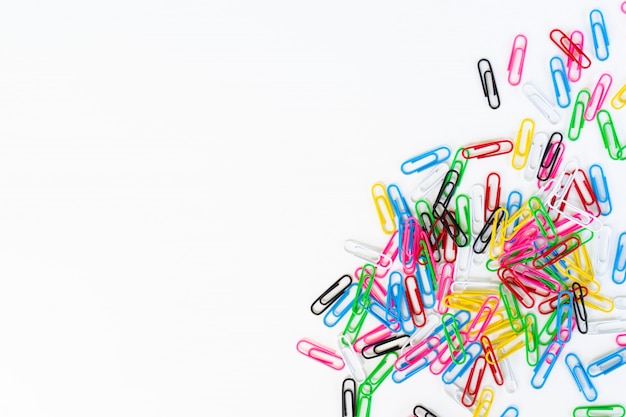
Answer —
380 312
545 364
416 164
580 376
600 36
510 412
560 82
600 189
619 264
341 307
398 203
607 364
455 371
564 314
397 303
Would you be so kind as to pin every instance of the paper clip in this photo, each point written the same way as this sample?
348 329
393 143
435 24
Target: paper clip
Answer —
619 99
574 70
492 194
541 103
510 382
516 61
453 339
600 36
546 362
564 312
414 297
585 386
421 411
362 250
378 334
578 121
569 48
331 295
510 412
341 306
364 400
320 353
623 7
384 347
470 393
490 90
560 82
351 359
600 410
512 309
382 370
348 397
531 339
580 311
600 189
456 370
606 326
620 339
609 136
432 179
608 363
484 403
484 237
492 360
551 157
383 208
426 353
521 151
598 95
488 149
426 160
446 192
619 264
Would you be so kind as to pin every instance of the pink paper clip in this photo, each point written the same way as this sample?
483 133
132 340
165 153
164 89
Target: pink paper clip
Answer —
597 97
483 318
487 149
623 7
574 70
388 256
569 48
320 353
417 353
620 339
375 335
445 280
516 61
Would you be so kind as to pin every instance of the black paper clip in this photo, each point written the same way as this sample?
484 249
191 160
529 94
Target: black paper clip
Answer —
452 227
446 192
484 237
348 397
550 157
383 347
489 83
580 311
421 411
331 295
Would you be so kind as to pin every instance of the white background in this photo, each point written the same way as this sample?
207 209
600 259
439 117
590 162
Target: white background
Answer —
177 180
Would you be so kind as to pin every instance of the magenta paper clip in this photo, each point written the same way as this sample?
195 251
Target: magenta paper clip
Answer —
600 189
375 335
585 386
488 149
516 61
569 48
600 35
620 339
619 264
560 82
320 354
574 70
623 7
598 95
426 160
545 364
608 363
416 358
445 280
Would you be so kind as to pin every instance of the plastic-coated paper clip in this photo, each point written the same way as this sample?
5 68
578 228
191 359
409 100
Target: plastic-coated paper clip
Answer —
484 237
619 99
414 297
560 82
551 157
600 189
578 110
421 411
455 370
426 160
598 95
510 412
348 397
341 307
453 338
450 182
432 179
532 339
488 149
619 264
484 403
383 208
516 61
620 339
320 353
600 36
398 203
470 393
574 70
492 194
580 311
331 295
609 136
490 90
384 347
585 386
569 48
546 363
542 104
608 363
600 411
521 151
351 359
492 360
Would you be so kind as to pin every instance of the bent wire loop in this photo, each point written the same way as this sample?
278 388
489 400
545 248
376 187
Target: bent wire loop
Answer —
490 89
585 386
569 48
541 103
599 34
516 60
608 363
560 82
331 295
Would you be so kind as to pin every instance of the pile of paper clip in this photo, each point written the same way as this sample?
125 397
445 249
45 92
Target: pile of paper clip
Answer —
467 280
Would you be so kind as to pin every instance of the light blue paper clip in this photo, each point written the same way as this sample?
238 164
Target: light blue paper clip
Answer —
564 312
455 371
600 36
545 364
600 189
619 264
607 364
426 160
560 82
398 203
340 307
580 376
510 412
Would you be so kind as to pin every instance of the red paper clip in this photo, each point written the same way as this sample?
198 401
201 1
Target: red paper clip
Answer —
569 48
487 149
470 393
574 70
414 297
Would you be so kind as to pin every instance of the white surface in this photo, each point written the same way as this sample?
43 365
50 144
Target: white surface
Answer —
178 178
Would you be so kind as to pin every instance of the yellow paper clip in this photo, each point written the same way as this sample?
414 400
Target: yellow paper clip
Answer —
521 151
619 100
383 208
